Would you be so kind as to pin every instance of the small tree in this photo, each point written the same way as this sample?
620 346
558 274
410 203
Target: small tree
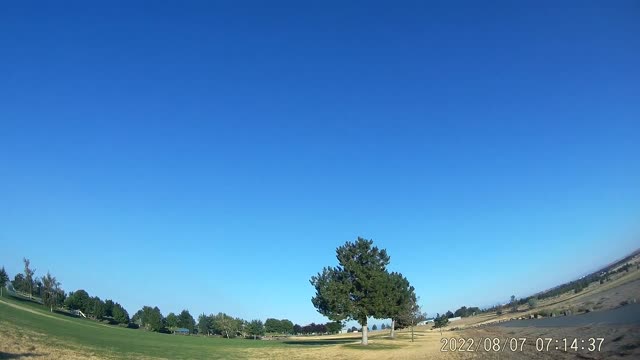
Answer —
51 289
412 314
532 302
441 322
383 326
28 275
374 327
4 278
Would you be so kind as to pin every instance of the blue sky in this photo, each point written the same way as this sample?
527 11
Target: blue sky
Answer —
213 156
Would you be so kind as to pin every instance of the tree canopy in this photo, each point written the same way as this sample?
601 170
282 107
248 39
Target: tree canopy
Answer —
255 328
50 297
185 320
171 320
4 278
120 315
357 288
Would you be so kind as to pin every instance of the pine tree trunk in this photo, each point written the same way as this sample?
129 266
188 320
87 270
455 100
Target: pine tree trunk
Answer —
411 333
365 333
393 328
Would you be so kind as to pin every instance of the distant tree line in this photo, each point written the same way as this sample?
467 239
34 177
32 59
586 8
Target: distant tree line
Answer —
96 308
275 326
47 291
332 327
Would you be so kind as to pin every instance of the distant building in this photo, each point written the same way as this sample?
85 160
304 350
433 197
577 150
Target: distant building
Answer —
181 331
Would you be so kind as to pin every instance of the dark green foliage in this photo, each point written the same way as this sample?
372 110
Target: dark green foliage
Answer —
399 296
286 326
383 326
374 327
78 300
255 328
225 325
119 314
272 325
441 321
185 320
356 289
275 326
334 327
50 296
97 308
20 284
149 318
38 287
108 308
4 278
465 311
171 321
449 314
204 323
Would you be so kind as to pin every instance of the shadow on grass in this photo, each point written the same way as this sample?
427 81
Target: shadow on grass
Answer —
65 313
4 355
23 300
373 346
320 342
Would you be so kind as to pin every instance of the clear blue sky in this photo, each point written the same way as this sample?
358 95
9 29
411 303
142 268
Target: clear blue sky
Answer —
213 156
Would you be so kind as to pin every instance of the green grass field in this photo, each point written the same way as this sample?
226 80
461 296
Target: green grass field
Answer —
32 320
28 329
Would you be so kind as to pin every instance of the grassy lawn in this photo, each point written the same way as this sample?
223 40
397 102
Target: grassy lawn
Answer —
26 319
29 330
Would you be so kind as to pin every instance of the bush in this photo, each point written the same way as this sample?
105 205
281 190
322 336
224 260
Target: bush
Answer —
532 302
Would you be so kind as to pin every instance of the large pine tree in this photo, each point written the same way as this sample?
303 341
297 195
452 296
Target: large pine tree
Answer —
356 289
